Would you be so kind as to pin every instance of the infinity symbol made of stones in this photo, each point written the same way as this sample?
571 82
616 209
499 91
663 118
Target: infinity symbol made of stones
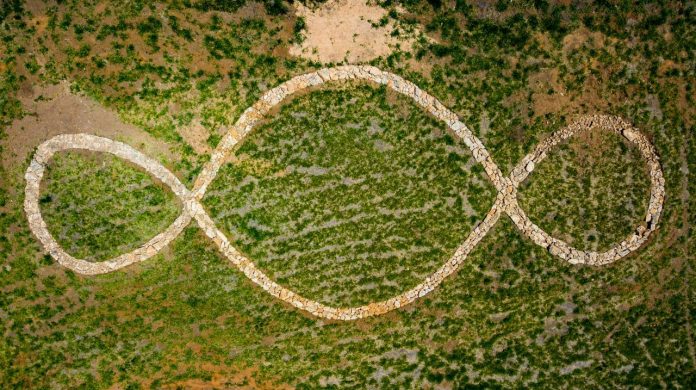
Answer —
506 200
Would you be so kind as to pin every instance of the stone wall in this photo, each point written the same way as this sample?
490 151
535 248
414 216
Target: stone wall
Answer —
506 200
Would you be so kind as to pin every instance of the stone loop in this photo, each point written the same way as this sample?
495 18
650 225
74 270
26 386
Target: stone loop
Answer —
506 200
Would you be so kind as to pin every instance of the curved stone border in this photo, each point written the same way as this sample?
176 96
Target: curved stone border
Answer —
36 171
506 201
561 248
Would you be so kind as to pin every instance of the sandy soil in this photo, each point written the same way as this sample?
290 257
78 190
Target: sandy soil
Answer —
53 110
343 30
196 135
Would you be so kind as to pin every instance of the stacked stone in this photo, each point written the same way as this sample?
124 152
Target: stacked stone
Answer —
35 174
632 242
506 200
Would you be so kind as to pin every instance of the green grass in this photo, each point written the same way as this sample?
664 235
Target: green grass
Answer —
98 206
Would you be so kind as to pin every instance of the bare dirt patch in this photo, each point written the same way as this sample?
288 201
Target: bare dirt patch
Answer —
580 37
196 135
40 23
36 7
347 30
549 94
53 110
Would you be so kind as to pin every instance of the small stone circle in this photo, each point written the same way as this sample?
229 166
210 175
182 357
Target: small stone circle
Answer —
506 200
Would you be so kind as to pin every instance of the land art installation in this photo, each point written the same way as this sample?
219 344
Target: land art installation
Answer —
505 203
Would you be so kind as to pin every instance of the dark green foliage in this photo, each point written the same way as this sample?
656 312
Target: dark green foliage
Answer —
220 5
11 8
150 29
300 25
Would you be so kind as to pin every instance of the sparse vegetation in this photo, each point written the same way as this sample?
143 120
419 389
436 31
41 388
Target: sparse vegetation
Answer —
593 191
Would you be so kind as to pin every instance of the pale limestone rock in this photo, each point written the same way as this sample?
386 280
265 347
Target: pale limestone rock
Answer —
506 200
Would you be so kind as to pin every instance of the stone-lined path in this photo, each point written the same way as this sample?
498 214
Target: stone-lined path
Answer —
506 201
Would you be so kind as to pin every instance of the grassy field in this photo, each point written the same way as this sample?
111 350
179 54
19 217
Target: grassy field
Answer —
98 207
348 197
349 194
